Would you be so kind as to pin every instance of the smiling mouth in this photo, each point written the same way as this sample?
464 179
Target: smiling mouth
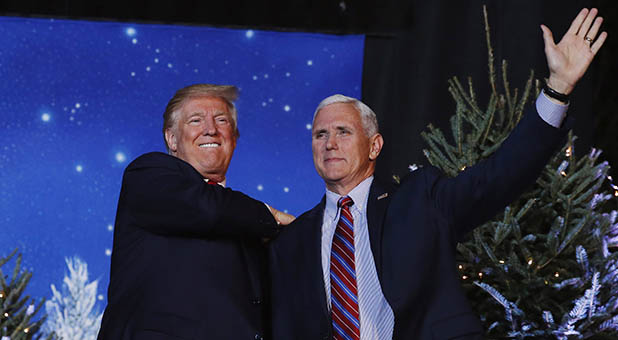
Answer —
210 145
333 159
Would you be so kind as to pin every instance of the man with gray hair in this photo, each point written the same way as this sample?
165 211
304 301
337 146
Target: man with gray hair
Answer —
375 262
188 259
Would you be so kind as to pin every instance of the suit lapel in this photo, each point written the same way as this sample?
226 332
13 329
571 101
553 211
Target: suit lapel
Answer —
379 197
316 272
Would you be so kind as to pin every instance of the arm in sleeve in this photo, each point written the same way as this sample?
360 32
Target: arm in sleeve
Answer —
479 192
170 198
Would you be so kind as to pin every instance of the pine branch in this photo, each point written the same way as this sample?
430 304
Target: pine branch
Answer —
16 314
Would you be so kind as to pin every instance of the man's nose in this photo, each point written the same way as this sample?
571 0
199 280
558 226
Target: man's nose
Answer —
210 127
331 142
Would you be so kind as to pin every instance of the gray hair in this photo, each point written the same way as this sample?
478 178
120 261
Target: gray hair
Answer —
368 117
227 93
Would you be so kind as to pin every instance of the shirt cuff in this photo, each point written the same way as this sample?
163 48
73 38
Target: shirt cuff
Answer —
552 113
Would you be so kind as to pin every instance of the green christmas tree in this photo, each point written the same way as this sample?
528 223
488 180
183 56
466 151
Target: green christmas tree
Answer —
17 312
546 267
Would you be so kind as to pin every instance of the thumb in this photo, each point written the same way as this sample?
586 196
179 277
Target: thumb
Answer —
548 37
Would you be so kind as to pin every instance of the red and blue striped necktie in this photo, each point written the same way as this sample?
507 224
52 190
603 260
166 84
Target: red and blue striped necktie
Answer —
343 291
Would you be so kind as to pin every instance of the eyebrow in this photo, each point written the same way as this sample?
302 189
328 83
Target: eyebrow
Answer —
202 114
194 114
338 128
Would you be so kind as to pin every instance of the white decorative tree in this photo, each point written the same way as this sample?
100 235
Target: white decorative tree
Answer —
72 314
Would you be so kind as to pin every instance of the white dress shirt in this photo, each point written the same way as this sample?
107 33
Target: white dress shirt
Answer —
376 316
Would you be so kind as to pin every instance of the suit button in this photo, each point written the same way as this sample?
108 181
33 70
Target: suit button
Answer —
256 301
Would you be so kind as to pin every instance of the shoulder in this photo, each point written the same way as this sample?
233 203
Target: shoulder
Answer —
310 216
160 160
154 159
424 178
154 167
304 223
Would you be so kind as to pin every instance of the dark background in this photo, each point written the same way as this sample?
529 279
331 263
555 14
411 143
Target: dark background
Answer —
412 49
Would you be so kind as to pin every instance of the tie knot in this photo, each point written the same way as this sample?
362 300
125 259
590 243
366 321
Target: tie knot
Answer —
210 182
345 202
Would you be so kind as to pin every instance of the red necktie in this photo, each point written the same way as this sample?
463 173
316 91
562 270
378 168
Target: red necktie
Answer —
343 289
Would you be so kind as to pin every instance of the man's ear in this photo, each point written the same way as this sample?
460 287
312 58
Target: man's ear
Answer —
376 142
170 138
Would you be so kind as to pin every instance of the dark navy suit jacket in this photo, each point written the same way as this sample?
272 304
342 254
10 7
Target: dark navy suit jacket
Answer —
188 260
413 231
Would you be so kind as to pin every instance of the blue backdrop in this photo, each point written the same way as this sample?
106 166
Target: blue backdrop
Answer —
79 100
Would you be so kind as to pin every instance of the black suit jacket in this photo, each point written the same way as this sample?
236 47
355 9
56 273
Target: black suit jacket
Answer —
413 231
188 260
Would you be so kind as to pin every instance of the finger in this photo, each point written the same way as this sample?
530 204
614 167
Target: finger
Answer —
595 28
583 31
548 37
289 219
577 22
285 219
597 44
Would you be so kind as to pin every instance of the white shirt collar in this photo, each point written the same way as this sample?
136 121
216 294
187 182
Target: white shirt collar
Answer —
360 195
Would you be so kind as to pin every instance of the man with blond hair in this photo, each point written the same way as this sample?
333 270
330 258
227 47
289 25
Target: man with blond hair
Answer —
188 259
